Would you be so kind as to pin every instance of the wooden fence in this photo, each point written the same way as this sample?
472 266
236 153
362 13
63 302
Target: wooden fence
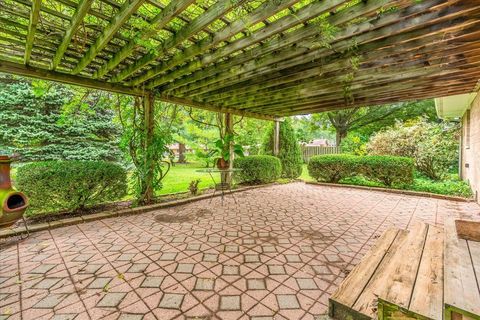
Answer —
310 151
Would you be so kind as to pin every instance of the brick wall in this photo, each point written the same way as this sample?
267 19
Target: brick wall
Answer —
471 147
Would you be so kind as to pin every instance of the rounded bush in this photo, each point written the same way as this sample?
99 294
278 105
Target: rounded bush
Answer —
333 167
388 170
71 185
258 169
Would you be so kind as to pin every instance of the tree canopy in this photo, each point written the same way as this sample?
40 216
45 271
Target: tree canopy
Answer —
367 120
41 120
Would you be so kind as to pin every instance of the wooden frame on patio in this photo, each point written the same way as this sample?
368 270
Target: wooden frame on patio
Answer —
262 59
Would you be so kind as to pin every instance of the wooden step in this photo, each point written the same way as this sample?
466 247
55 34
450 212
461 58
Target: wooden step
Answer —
395 277
415 291
349 291
462 276
400 278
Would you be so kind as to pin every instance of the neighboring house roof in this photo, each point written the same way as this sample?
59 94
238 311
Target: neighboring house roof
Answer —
318 143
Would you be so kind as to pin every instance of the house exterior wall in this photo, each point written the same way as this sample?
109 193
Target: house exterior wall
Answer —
470 147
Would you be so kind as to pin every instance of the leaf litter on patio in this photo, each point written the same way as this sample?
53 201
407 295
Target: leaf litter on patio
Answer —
178 218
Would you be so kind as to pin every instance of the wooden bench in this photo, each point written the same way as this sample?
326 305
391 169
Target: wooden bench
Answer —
462 275
400 278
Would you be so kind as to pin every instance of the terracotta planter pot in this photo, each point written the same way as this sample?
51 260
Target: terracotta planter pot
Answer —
222 164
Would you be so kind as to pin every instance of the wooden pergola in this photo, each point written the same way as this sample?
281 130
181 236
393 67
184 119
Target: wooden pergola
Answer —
257 58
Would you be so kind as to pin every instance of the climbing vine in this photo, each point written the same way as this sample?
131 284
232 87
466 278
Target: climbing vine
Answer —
144 152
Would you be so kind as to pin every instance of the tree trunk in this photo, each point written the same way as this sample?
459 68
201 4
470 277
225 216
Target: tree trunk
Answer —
341 133
181 152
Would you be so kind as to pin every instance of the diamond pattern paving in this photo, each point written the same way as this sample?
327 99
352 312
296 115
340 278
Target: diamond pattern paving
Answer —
278 253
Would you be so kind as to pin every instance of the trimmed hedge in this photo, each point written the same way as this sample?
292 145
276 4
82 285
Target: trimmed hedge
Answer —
54 186
258 169
333 167
388 170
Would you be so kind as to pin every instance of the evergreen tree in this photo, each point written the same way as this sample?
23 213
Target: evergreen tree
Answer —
45 121
289 153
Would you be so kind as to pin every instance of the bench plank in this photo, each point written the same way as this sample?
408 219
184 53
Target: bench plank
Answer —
353 285
461 290
427 297
474 247
391 281
403 270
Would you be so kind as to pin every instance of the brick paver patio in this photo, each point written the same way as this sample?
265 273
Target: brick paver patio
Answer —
277 254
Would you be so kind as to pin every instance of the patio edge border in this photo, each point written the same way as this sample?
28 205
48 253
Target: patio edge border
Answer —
396 191
10 232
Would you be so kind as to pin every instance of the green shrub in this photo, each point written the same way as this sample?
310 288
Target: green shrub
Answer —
289 153
333 167
433 146
258 169
354 143
71 185
387 169
449 186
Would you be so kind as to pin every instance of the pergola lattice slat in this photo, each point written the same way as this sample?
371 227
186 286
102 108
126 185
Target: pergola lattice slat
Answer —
77 19
159 22
260 59
271 51
256 16
116 23
328 71
32 28
293 57
213 13
278 26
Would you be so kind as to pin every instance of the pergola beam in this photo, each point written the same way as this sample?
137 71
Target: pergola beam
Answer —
311 73
157 23
214 108
213 13
301 38
407 95
327 76
297 56
315 108
261 13
376 89
258 15
128 8
23 70
32 28
77 19
372 86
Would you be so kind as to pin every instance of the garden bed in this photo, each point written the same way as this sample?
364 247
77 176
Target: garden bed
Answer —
392 190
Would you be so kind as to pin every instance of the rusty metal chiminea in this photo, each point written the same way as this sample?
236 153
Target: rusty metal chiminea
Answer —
12 203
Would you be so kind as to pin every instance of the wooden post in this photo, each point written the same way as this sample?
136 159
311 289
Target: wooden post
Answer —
229 131
276 138
149 111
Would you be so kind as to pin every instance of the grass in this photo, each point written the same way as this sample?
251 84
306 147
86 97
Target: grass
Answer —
451 185
179 177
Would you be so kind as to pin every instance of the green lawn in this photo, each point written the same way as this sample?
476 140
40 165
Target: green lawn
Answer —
179 177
